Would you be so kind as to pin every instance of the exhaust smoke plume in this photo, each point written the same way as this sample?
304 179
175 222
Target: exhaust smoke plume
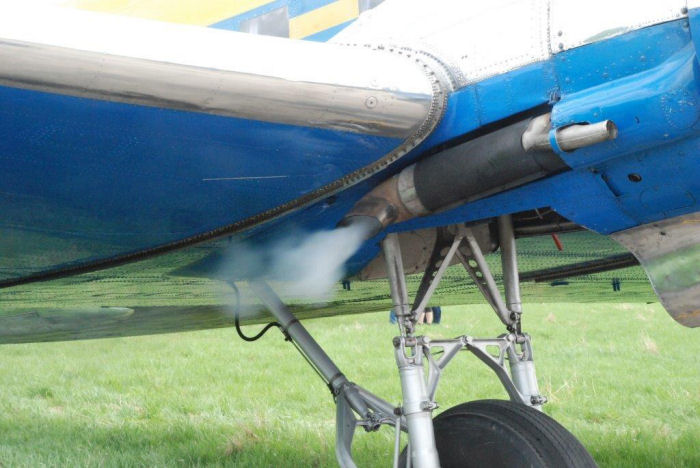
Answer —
300 266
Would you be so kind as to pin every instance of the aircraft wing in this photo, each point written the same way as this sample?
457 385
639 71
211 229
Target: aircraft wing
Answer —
281 124
180 144
161 177
177 292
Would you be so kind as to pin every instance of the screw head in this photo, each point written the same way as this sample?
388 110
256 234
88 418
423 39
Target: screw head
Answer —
371 102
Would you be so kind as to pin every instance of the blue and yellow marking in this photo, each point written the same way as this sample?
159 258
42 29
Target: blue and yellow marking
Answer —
308 19
323 18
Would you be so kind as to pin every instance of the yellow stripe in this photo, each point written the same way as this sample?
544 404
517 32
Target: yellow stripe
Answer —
323 18
198 12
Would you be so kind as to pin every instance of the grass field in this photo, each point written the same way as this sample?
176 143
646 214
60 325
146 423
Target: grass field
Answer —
618 371
622 377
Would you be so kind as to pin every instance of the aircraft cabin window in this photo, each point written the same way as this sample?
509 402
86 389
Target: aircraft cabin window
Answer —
368 4
272 23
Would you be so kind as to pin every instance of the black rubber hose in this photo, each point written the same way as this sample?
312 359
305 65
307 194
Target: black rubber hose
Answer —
237 322
486 165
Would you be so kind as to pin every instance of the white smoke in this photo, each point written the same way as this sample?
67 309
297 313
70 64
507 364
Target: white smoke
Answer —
308 267
300 266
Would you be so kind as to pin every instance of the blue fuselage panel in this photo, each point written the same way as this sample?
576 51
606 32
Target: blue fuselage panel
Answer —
648 83
86 179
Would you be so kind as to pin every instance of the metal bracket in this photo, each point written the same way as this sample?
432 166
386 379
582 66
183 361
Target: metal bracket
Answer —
522 371
346 422
479 271
397 284
445 248
435 366
506 347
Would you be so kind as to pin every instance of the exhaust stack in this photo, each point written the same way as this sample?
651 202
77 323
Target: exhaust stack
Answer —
501 160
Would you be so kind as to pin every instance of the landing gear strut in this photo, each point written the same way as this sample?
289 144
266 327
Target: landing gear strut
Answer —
350 399
516 432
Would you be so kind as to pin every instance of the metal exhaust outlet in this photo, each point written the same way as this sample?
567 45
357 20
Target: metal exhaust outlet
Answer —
504 159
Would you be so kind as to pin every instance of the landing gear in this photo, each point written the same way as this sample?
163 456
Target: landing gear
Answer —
482 433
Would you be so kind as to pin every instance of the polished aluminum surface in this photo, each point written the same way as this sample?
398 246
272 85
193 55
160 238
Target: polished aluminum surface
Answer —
408 194
483 38
536 136
477 39
574 137
669 251
574 24
356 89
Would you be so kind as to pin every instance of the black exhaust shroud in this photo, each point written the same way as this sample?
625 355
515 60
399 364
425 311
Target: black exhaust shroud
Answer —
503 159
486 165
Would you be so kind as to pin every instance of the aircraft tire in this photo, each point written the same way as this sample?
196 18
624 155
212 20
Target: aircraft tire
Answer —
498 433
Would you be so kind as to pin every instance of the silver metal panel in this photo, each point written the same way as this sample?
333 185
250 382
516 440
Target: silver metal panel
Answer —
574 24
214 71
416 247
669 251
406 186
482 38
477 38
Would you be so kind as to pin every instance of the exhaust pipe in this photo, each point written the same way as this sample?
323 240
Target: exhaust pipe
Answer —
501 160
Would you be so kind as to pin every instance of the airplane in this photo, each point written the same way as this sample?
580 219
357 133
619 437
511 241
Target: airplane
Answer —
405 139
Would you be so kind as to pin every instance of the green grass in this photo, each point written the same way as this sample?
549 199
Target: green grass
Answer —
619 372
623 377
